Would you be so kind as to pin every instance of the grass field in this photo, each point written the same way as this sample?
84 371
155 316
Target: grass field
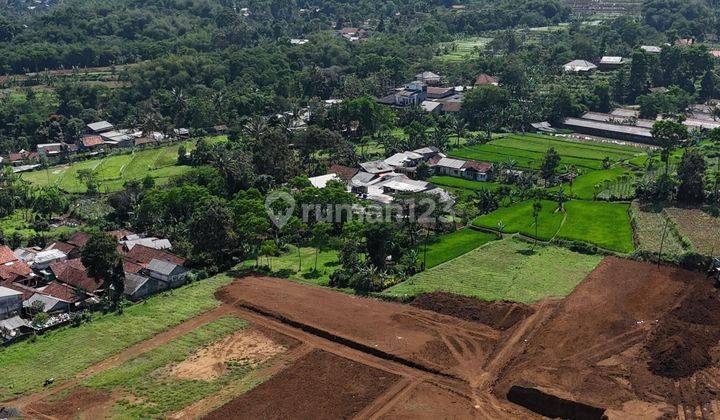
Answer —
527 151
504 270
287 264
519 219
461 49
455 244
114 170
606 225
27 364
148 391
16 223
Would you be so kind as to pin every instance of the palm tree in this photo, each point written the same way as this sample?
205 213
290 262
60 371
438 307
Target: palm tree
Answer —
459 127
255 127
537 208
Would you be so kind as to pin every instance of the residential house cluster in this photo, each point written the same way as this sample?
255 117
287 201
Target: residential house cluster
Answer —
605 63
55 281
381 180
98 137
429 92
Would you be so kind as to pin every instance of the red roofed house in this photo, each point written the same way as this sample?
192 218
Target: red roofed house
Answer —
12 269
90 143
345 173
486 79
62 292
79 239
477 171
142 255
74 273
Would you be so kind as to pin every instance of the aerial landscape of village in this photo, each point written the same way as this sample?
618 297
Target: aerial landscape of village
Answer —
377 209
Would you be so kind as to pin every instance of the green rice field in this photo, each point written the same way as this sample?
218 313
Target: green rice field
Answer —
527 151
453 245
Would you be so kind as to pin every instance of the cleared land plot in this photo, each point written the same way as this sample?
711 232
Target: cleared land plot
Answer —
345 389
114 170
454 244
504 270
649 225
606 225
700 228
371 325
600 334
527 151
175 375
27 364
287 265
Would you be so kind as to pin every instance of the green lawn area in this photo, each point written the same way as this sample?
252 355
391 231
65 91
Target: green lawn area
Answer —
518 219
114 170
527 151
63 353
463 184
461 49
287 264
606 225
454 244
148 389
504 270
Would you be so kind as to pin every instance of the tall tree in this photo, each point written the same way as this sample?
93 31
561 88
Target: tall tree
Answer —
691 174
668 135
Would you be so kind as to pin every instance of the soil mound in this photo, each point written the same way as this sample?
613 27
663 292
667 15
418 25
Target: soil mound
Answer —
499 315
681 343
68 407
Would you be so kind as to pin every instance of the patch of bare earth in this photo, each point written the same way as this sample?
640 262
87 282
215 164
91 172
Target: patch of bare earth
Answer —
247 346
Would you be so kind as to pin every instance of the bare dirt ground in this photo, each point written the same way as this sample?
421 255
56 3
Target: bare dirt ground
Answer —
632 341
246 346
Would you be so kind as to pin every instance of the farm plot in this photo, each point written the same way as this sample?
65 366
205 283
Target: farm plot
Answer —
454 244
527 151
504 270
452 182
649 224
606 225
607 183
519 219
113 171
698 227
299 266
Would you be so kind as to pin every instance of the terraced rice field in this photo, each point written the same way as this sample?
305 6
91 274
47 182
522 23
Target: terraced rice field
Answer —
527 151
606 225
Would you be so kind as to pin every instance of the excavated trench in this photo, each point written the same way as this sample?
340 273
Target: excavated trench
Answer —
551 406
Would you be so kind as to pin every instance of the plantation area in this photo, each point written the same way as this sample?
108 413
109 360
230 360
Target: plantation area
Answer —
606 225
605 184
455 244
504 270
527 151
27 364
113 171
654 231
698 228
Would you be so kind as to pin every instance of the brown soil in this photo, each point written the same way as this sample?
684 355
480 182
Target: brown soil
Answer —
681 343
245 346
593 349
422 339
79 400
428 401
345 389
499 315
